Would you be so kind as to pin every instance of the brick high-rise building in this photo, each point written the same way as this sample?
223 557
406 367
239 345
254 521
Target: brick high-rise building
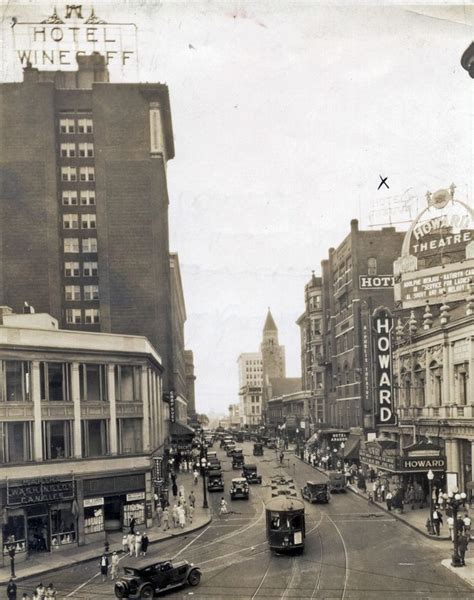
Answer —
84 209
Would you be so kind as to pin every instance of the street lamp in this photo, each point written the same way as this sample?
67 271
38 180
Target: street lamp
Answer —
455 501
342 451
204 489
430 476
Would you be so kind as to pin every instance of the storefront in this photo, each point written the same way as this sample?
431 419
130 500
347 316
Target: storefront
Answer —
40 515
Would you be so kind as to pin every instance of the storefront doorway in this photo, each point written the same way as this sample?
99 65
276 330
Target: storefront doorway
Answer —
38 532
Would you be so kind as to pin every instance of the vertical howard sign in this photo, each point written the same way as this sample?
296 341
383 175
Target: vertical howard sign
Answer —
382 325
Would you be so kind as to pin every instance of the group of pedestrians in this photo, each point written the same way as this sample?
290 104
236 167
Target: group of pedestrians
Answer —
40 593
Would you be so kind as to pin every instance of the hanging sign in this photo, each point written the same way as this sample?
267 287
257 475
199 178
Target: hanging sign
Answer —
382 324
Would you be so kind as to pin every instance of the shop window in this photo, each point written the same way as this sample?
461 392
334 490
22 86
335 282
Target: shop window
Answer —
63 527
54 381
16 381
93 517
57 439
94 437
14 531
93 382
130 436
127 383
15 440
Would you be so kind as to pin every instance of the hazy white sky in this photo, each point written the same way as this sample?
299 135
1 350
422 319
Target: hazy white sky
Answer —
285 114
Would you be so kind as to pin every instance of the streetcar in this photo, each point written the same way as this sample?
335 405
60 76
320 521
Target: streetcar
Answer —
285 519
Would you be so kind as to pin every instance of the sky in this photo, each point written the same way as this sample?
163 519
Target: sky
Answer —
285 114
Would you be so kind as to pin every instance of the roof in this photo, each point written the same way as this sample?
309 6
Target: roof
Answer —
285 503
285 385
270 323
239 479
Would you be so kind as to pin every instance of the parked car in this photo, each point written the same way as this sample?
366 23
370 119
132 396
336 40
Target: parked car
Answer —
337 481
215 481
238 459
316 492
148 581
258 449
250 474
239 488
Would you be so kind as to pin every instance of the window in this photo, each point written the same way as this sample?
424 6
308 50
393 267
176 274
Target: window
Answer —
71 269
127 383
87 197
70 221
54 381
89 245
68 150
15 381
86 150
91 292
130 436
91 315
93 382
94 437
57 439
88 221
69 198
87 174
84 126
68 174
71 245
67 126
90 269
15 445
73 292
73 316
372 266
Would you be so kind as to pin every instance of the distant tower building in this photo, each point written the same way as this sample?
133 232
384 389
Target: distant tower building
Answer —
250 388
273 356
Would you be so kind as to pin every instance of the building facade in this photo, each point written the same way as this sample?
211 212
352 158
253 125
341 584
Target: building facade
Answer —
250 368
273 358
88 407
190 385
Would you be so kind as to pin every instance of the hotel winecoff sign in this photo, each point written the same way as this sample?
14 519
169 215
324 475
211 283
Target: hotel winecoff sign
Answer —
55 42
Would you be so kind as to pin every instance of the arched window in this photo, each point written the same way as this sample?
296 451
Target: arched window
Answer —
436 375
419 381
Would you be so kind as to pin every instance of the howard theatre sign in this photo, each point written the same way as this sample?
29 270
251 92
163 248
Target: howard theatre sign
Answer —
53 43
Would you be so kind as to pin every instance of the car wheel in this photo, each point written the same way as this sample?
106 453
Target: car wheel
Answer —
120 590
147 591
194 577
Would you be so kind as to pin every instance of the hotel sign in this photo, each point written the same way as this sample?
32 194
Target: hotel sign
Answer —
34 491
55 42
373 282
382 324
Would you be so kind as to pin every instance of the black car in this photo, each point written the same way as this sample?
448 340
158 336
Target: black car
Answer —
258 449
215 481
239 488
238 458
148 581
316 492
250 474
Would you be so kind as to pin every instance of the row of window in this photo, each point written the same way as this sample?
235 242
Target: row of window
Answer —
69 126
71 245
73 292
87 220
70 198
70 174
90 316
89 269
85 150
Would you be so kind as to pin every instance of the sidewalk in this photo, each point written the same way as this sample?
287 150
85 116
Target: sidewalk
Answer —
53 561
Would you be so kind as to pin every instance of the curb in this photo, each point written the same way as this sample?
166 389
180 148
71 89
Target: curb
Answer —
379 506
81 561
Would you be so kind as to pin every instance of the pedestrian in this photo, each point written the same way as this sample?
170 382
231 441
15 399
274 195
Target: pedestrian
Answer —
40 591
410 497
192 499
191 513
159 514
382 491
175 489
174 515
181 516
51 592
166 519
131 544
11 590
114 565
370 499
462 548
145 543
437 521
124 544
185 505
138 544
450 524
282 456
132 525
196 476
467 525
223 506
104 567
388 500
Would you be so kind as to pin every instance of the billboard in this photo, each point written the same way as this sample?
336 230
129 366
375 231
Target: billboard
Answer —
382 325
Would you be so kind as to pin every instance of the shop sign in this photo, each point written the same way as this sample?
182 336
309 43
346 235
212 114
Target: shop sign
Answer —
378 460
424 464
134 496
382 324
93 502
157 467
46 489
371 282
172 408
338 437
55 42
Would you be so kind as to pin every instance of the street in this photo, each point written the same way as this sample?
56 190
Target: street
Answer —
349 552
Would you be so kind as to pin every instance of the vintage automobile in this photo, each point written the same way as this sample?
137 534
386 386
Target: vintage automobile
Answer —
258 449
211 455
215 481
214 465
229 448
250 474
146 582
337 481
238 459
239 488
316 492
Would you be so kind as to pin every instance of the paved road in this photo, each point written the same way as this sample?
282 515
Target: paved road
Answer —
352 553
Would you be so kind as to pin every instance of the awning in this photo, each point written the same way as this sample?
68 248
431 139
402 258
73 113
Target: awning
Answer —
351 448
312 439
180 430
